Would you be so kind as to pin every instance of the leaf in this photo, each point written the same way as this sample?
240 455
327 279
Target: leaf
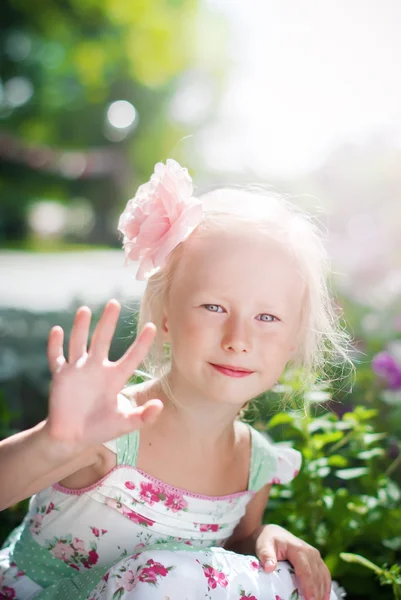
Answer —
360 413
367 454
320 423
360 509
280 419
393 491
369 438
328 501
323 472
343 425
351 473
321 440
393 543
337 461
360 560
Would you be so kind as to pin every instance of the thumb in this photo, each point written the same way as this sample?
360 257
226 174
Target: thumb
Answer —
267 557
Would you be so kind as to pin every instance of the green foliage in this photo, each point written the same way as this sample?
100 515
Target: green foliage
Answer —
343 499
387 576
76 58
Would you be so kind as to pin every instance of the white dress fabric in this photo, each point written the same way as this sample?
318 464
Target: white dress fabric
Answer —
135 537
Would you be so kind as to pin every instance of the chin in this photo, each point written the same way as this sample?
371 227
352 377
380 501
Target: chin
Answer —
232 393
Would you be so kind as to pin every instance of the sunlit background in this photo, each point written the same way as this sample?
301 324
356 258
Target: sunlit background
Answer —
305 97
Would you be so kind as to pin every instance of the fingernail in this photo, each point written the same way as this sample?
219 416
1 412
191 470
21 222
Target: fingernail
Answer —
269 562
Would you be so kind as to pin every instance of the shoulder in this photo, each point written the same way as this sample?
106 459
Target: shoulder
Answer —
242 433
272 463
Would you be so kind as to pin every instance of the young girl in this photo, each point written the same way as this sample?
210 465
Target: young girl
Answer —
157 491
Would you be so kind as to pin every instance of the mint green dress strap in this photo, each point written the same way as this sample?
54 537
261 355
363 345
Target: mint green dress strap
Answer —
263 461
127 448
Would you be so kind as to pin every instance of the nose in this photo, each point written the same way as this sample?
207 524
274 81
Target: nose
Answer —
236 337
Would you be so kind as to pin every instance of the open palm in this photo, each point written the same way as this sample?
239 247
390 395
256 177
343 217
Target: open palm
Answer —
83 404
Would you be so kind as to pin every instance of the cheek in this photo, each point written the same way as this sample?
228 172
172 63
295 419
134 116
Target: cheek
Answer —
276 351
186 330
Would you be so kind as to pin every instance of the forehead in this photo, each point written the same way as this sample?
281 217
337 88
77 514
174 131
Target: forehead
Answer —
240 262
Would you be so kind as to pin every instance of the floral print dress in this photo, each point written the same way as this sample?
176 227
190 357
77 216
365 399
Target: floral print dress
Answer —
132 536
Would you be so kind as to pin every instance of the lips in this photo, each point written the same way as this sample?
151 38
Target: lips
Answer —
232 368
231 371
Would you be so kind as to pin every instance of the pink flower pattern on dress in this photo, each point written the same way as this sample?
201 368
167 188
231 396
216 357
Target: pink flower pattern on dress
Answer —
149 573
78 544
209 527
129 580
73 552
98 532
137 518
157 568
150 493
36 523
255 564
50 508
7 593
63 551
214 577
37 519
175 502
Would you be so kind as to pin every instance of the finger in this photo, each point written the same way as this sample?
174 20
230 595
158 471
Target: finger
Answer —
77 346
267 556
303 570
321 576
327 593
55 354
136 352
143 415
104 331
327 585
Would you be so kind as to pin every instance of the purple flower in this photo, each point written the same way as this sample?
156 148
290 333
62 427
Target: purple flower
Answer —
386 367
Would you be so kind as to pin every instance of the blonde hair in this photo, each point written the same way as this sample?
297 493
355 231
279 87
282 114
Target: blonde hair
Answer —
323 342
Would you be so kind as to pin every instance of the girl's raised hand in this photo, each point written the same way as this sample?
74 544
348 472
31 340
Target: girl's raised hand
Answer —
83 405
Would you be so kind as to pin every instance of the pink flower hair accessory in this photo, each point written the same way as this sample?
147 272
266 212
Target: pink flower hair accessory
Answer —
161 215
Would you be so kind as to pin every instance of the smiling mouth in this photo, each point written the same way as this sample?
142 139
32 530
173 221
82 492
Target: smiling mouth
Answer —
231 371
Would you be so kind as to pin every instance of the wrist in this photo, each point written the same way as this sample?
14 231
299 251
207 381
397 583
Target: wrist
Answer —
248 544
57 450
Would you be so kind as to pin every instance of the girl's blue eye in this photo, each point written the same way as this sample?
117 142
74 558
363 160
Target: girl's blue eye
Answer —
212 307
215 308
270 320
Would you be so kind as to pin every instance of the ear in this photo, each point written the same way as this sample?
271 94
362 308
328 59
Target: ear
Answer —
164 328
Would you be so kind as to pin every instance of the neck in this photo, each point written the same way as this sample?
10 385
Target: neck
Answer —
203 422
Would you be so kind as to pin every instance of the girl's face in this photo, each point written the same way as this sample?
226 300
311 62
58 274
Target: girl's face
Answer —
235 301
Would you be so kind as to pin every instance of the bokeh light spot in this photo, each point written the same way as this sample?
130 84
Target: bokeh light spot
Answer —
17 91
121 114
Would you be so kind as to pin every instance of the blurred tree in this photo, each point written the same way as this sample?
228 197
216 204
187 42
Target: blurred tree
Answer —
63 64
